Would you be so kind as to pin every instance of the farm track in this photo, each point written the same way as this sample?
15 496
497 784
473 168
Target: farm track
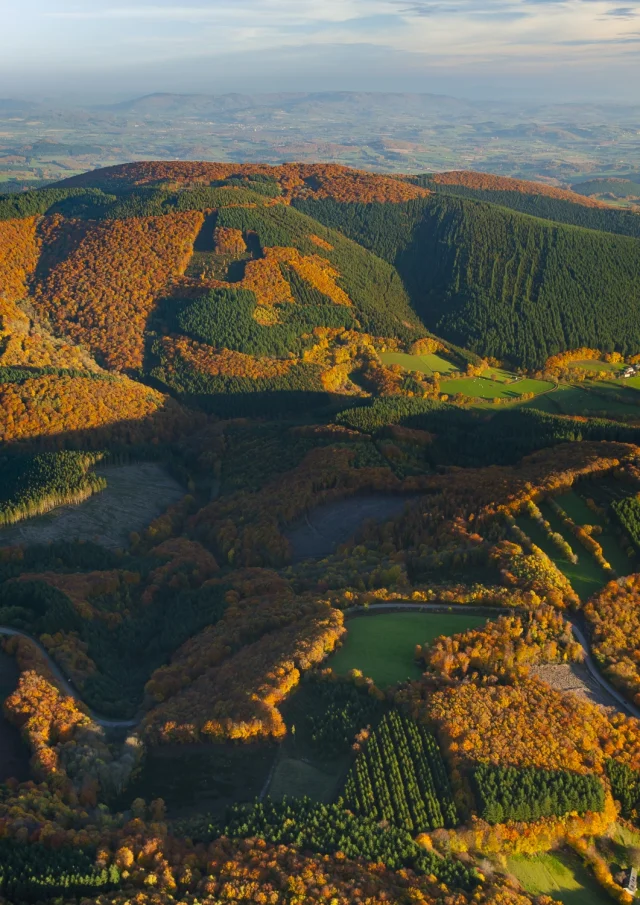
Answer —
618 701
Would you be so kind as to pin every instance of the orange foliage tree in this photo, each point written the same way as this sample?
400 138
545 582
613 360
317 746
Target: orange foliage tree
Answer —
524 725
229 241
507 646
49 407
614 616
239 699
296 180
102 292
19 250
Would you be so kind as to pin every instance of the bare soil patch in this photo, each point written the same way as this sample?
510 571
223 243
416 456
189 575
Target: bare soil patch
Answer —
321 531
575 677
134 496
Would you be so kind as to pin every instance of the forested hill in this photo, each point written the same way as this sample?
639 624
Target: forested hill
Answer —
534 198
217 292
452 254
292 180
500 282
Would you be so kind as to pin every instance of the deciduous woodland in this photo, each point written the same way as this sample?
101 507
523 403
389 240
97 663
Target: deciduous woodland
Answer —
410 393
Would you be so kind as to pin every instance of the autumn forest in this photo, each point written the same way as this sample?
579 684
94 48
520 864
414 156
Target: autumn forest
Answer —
319 539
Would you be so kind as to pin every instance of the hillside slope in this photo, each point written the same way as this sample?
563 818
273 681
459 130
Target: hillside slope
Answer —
294 180
210 291
500 282
535 198
293 298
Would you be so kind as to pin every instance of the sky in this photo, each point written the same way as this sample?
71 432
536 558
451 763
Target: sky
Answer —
583 50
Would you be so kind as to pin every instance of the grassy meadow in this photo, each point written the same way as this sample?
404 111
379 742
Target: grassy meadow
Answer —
560 875
586 576
382 646
429 364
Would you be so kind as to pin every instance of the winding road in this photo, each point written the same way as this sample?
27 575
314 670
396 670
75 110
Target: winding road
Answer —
65 685
617 699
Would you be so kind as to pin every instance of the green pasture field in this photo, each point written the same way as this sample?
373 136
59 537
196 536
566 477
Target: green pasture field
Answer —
576 508
499 375
427 364
579 400
488 388
593 365
560 875
616 846
548 402
382 646
620 392
586 576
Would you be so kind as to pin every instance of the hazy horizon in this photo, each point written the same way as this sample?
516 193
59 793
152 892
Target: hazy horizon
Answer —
527 50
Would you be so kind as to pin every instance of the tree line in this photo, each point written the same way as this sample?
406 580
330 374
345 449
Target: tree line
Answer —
559 210
468 438
31 873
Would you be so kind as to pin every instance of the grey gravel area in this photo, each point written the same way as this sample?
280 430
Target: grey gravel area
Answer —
135 495
321 532
575 677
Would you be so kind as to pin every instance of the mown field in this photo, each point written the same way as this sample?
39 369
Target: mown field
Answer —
597 366
427 364
559 875
492 385
382 646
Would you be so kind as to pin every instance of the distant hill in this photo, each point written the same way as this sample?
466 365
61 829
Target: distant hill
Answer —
610 187
535 198
9 105
361 102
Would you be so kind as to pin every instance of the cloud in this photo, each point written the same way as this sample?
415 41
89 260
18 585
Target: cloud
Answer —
622 12
83 36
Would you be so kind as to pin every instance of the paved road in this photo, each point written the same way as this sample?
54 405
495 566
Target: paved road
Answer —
65 684
623 705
